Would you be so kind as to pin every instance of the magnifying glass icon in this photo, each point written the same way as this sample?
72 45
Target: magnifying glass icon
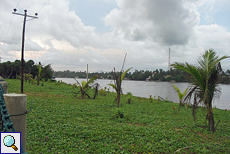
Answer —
9 141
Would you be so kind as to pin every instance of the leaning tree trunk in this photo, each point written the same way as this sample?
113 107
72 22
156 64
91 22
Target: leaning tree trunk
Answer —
210 117
82 93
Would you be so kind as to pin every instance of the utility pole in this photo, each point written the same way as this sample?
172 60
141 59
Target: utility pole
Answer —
87 73
23 41
0 60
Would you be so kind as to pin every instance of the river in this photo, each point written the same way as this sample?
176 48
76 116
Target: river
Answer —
162 89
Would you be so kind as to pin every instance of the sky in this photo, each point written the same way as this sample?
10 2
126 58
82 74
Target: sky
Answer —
69 34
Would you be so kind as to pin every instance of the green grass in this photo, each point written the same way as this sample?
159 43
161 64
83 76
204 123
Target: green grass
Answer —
61 123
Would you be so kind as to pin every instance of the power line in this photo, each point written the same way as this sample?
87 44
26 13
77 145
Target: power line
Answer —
15 33
44 5
8 29
10 24
18 3
31 4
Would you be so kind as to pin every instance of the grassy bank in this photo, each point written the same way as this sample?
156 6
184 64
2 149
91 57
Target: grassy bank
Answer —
61 123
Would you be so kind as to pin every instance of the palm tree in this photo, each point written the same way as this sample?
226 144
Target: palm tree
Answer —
117 85
44 72
180 94
28 77
39 76
85 86
204 85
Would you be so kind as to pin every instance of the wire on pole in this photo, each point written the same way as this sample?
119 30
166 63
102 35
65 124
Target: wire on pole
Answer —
23 41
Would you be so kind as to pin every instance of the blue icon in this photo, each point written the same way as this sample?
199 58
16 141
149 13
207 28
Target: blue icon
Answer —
9 141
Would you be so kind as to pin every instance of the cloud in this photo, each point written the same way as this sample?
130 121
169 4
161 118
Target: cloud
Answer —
166 21
213 36
145 30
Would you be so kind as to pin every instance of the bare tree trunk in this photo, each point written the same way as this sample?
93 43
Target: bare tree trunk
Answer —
10 73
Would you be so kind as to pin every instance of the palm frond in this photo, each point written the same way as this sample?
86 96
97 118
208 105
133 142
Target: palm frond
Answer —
184 93
192 70
84 84
91 80
178 91
78 83
124 73
113 85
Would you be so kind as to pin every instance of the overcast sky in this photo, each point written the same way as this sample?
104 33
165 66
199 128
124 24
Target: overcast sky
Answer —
69 34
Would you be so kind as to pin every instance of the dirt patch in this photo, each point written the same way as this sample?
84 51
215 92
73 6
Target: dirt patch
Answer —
138 125
45 95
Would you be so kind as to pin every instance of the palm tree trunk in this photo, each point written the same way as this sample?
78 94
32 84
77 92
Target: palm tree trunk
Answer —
82 93
210 118
118 99
211 123
181 103
118 91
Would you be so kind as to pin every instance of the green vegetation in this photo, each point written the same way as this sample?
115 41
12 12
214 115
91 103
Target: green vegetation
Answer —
118 78
180 94
32 71
61 123
85 86
11 70
204 83
130 97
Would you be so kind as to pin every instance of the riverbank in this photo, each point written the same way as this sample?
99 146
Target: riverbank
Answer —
162 89
61 123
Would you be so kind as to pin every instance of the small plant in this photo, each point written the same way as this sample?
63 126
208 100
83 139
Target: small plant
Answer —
74 85
117 85
130 96
32 81
102 92
85 86
58 82
43 81
150 98
120 113
180 94
28 77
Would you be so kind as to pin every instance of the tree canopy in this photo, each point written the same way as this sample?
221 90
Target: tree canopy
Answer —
12 70
143 75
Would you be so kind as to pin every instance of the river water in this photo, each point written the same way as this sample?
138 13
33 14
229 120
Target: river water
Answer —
162 89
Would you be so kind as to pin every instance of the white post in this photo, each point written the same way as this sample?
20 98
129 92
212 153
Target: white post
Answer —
17 104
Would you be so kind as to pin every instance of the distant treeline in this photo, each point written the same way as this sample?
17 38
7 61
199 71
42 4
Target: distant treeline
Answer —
12 70
142 75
